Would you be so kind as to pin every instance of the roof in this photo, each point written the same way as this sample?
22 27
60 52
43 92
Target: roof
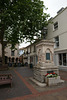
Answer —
58 13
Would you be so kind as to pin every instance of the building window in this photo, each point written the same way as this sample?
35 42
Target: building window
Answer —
47 56
55 25
12 53
56 41
31 59
60 59
63 59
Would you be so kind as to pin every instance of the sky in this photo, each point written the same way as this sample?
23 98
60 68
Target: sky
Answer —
53 6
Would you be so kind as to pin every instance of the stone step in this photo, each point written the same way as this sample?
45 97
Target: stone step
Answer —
38 83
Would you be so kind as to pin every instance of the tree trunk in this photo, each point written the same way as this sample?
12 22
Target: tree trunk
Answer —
2 43
3 53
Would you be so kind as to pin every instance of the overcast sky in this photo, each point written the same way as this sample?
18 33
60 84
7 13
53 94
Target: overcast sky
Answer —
53 6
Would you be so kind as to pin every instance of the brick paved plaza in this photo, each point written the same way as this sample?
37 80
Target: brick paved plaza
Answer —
23 89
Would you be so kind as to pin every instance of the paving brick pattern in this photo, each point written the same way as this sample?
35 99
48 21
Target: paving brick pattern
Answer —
24 89
18 87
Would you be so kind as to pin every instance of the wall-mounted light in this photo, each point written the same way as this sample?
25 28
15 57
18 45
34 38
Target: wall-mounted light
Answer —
44 32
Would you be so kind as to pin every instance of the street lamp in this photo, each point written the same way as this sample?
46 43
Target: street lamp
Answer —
44 32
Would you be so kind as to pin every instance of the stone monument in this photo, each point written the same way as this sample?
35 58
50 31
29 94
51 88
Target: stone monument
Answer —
45 64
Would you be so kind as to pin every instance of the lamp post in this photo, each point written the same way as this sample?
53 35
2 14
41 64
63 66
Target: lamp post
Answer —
44 32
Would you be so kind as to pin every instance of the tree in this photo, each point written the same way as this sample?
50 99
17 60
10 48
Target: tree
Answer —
19 20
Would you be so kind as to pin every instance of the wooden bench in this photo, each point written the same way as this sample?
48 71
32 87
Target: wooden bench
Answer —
5 67
5 79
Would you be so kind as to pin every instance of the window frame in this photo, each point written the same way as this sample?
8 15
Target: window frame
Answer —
12 52
55 26
47 56
56 41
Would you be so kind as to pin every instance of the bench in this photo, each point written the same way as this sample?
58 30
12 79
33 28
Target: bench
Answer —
5 79
3 67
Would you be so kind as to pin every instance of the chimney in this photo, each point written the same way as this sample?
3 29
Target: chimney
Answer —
60 10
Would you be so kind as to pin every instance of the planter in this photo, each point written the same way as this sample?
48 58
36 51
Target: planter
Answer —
52 80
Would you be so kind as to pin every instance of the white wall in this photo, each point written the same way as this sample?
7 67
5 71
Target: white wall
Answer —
8 51
61 31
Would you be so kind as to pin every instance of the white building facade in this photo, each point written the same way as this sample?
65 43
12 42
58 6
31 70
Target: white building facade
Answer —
57 32
29 55
10 55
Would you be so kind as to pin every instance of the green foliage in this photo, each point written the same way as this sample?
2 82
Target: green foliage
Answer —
21 19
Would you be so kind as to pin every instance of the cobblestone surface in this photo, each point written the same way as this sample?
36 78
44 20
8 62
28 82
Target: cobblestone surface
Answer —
18 87
24 89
